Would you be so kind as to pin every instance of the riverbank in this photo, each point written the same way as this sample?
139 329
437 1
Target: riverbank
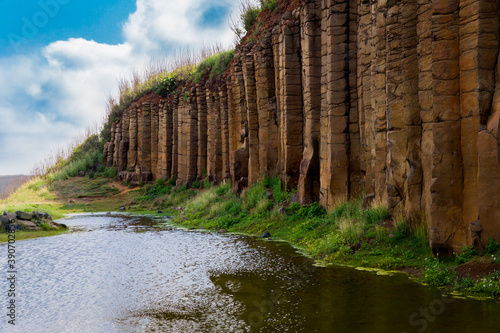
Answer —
350 234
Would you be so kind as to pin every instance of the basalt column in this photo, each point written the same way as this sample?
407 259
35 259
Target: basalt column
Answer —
182 122
175 136
278 88
154 139
252 117
201 99
412 120
224 113
169 139
118 138
132 151
146 143
238 152
356 179
214 136
124 143
445 213
161 171
334 156
364 56
396 144
191 135
111 147
309 181
266 105
291 107
479 62
378 122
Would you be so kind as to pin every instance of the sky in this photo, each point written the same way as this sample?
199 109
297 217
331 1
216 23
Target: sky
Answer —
61 59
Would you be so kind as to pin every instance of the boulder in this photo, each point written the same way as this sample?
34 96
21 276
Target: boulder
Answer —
24 216
266 235
28 225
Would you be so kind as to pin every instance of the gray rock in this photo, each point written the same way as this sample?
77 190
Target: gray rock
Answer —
266 235
28 225
24 216
12 216
122 208
4 219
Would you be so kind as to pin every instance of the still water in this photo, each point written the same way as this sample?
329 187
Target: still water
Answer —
116 273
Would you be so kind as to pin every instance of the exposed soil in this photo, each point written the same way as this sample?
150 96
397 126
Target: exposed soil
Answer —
476 269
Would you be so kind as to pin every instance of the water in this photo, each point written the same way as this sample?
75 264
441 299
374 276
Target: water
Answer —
133 274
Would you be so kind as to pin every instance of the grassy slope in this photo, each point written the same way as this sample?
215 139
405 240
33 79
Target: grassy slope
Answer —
346 235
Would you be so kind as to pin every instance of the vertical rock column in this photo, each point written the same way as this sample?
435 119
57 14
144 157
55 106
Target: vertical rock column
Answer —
201 100
378 121
268 127
396 144
237 118
111 147
479 35
161 172
412 120
124 143
309 181
169 139
132 151
355 173
140 130
278 89
146 143
292 121
192 137
425 82
175 137
154 139
335 111
214 137
447 171
224 111
484 18
118 139
182 115
364 56
252 116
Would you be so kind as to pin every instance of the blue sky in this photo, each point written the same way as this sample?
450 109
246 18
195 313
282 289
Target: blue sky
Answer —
61 59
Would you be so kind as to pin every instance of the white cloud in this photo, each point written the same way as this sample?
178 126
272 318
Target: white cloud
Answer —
50 97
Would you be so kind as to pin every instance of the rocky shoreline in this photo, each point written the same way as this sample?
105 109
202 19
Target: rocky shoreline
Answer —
29 221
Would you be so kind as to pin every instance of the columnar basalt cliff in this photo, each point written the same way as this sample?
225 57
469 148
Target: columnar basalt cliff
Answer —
399 98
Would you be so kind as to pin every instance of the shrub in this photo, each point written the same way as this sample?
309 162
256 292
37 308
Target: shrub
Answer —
271 5
45 226
492 246
110 172
166 86
467 253
438 276
249 17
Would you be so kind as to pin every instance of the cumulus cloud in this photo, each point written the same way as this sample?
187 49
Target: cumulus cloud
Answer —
50 96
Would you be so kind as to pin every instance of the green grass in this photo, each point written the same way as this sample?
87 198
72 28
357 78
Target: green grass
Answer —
80 187
215 65
23 235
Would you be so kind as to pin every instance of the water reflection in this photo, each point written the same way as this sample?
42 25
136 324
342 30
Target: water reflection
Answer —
131 274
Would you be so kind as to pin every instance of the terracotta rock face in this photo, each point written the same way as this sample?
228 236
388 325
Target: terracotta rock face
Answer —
399 99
